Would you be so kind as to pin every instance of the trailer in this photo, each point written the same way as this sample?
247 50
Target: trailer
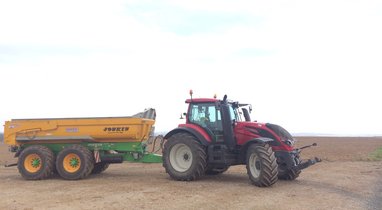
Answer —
74 148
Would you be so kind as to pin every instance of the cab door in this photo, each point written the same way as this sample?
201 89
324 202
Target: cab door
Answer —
207 116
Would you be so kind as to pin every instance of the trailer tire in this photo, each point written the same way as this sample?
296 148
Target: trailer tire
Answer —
100 167
184 158
262 167
36 162
74 162
290 174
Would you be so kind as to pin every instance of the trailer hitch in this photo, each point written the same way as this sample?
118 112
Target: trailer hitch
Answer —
10 165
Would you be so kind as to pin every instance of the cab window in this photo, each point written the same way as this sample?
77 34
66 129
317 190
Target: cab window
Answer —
234 114
205 115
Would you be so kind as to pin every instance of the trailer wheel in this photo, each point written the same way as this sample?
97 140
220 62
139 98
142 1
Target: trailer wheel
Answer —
100 167
262 167
36 162
74 162
184 158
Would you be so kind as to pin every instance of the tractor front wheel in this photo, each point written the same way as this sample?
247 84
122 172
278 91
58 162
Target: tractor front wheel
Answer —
74 162
262 167
184 158
290 174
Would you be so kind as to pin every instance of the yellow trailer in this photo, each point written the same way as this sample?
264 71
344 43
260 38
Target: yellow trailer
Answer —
77 147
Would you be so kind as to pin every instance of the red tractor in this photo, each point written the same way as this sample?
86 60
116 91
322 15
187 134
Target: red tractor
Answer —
219 134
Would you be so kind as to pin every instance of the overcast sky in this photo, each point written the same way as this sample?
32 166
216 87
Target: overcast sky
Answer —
310 66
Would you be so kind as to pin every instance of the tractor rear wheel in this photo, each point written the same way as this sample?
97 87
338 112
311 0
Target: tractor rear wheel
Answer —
100 167
36 162
216 170
184 158
262 167
74 162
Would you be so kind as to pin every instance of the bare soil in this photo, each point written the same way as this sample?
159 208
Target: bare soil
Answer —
344 180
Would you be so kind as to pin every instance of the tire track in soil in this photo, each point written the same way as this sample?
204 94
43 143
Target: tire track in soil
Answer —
375 203
359 198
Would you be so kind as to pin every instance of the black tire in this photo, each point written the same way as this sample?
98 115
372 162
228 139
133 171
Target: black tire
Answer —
184 158
100 167
74 162
290 174
36 162
216 170
262 167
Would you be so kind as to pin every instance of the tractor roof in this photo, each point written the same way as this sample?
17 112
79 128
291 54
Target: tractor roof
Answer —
201 100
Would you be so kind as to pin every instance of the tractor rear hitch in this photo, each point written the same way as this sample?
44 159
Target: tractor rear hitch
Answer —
307 163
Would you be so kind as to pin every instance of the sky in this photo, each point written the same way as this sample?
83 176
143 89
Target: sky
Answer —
310 66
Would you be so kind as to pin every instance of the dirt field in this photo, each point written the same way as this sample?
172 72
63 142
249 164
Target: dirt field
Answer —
344 180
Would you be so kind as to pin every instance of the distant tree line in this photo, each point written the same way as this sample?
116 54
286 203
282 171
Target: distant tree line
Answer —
1 137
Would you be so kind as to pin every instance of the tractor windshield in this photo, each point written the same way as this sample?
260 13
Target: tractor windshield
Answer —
204 114
208 117
240 112
234 113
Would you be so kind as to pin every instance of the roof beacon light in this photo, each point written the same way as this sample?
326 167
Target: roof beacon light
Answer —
191 92
215 96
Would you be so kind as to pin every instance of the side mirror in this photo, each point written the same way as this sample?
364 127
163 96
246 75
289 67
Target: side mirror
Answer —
183 115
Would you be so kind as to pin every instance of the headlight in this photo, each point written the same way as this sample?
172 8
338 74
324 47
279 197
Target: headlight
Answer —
289 142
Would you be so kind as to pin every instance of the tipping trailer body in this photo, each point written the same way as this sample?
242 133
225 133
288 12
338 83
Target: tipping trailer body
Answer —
105 140
72 130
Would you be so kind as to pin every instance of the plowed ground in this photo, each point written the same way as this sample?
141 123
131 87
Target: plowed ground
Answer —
346 179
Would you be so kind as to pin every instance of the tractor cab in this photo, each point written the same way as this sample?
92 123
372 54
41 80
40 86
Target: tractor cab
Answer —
206 114
218 118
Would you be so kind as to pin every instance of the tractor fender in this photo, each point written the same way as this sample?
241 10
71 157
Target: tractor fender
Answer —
191 131
260 140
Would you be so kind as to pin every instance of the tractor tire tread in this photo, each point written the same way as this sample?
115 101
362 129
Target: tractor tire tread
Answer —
290 175
268 175
198 169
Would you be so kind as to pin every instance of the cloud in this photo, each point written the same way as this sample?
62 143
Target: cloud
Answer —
308 65
183 21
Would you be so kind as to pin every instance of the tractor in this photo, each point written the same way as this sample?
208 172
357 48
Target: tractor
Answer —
219 134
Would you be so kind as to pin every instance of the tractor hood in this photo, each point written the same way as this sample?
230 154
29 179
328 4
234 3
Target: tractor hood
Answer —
284 135
267 130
